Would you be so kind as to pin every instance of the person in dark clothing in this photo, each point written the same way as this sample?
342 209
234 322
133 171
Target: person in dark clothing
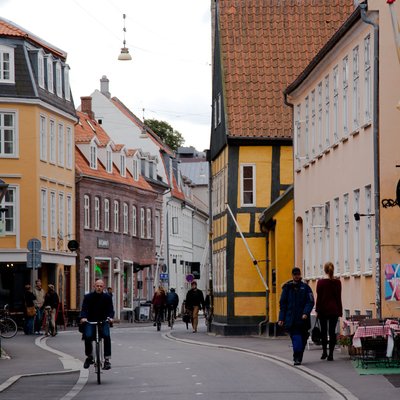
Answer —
329 309
97 306
296 304
29 299
172 303
158 301
52 300
195 302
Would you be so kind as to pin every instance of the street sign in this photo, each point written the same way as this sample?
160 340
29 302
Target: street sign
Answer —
33 260
189 278
164 276
34 245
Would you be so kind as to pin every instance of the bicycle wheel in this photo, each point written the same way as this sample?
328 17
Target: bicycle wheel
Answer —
98 363
8 328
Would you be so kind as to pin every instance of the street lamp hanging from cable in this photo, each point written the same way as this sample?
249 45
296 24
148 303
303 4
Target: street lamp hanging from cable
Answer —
124 56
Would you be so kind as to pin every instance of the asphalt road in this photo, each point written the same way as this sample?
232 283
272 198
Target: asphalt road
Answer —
147 365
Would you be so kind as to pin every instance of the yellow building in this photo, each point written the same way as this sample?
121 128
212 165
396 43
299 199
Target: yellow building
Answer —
257 51
37 118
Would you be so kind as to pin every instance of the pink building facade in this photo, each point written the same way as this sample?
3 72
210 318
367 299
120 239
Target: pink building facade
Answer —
346 148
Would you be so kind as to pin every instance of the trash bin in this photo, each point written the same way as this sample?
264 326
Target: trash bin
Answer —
142 312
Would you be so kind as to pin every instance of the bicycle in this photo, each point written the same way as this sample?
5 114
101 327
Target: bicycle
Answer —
48 322
8 327
98 339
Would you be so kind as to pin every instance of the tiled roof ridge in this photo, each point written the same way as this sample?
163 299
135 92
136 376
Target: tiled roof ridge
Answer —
10 28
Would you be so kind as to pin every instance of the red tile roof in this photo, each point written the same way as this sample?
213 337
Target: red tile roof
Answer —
265 44
9 28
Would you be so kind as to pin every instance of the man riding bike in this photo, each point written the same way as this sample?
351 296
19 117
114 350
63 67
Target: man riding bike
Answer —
97 306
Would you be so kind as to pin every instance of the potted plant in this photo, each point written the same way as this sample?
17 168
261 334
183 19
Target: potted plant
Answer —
346 344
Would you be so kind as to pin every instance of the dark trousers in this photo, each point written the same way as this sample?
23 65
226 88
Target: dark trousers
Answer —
171 309
326 322
299 332
90 336
158 313
38 319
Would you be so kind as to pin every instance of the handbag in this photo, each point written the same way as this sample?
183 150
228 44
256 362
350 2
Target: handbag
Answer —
316 336
30 311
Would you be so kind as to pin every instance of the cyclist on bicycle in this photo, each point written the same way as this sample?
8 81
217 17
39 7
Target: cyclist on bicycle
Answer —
158 302
172 303
97 306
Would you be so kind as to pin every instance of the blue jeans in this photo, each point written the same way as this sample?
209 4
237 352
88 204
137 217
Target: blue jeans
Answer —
89 336
38 319
28 326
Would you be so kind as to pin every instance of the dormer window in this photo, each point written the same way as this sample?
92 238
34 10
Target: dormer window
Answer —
41 69
58 79
109 161
7 74
123 165
93 156
50 78
135 168
67 89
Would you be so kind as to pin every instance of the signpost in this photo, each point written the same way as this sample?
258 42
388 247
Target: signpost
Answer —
34 257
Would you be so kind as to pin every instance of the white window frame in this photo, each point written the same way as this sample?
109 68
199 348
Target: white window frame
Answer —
116 216
142 223
319 118
107 215
327 247
69 148
336 103
93 155
135 168
53 142
313 124
60 136
12 128
356 88
61 216
346 234
327 112
58 79
134 221
336 237
41 69
86 211
50 74
109 161
53 213
307 128
368 230
67 89
43 137
69 217
7 67
44 212
149 227
367 80
345 97
356 232
253 184
126 218
97 213
307 244
123 164
10 216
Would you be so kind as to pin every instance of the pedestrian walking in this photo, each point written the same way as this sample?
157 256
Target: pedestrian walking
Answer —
172 302
52 300
328 309
39 293
159 301
195 302
296 304
29 310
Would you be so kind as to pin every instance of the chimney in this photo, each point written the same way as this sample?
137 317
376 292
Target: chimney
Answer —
86 106
104 86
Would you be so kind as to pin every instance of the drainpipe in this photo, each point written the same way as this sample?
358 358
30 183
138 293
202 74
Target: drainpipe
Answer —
375 122
210 238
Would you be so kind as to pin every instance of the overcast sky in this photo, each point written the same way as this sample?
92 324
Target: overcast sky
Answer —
170 43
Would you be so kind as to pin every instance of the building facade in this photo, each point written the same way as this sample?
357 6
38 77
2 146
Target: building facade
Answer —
37 118
345 143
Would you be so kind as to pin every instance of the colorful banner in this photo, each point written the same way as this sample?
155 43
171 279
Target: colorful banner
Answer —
392 282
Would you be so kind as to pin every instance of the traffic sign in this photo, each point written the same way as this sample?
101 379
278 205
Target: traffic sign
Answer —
34 245
164 276
189 278
34 260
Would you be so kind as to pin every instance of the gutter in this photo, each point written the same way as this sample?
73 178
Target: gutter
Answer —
375 122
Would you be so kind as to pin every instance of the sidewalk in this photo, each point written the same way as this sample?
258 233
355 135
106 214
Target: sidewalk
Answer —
27 358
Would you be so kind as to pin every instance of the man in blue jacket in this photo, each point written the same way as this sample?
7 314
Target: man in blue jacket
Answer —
296 304
97 306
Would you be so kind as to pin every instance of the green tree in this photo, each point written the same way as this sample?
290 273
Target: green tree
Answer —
166 132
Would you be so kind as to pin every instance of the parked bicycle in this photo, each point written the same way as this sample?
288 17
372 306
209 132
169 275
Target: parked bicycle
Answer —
8 327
